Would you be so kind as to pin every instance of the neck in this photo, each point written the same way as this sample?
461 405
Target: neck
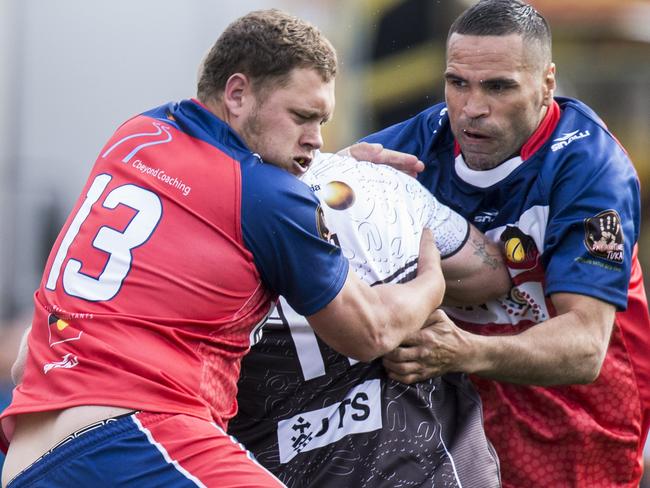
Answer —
217 108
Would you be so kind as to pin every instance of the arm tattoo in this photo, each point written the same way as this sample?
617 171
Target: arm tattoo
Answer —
481 250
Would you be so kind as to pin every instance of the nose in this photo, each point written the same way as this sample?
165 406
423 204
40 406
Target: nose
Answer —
476 106
312 137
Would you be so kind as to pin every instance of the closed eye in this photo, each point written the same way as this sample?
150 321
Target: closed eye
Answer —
304 118
301 117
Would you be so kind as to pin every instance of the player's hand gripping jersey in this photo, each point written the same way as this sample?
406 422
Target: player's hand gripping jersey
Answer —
316 418
566 211
152 291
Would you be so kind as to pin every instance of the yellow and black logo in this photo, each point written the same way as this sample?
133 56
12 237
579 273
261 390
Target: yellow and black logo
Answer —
520 249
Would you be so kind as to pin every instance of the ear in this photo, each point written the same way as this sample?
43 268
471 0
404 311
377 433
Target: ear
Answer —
549 84
237 94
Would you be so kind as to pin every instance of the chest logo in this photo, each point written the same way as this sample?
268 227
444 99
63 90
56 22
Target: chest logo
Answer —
604 236
485 216
520 249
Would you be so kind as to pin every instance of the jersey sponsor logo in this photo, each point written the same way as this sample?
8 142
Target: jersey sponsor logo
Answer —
60 331
68 361
486 216
323 230
604 236
358 412
567 138
520 249
337 195
161 175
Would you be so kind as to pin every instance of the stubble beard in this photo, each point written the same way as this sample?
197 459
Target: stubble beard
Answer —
483 162
252 131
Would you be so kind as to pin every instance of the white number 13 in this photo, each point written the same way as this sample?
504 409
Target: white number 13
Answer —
117 244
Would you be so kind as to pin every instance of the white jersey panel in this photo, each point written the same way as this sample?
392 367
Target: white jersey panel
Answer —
360 198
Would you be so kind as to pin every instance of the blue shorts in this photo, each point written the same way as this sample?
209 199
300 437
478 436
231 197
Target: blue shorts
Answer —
147 450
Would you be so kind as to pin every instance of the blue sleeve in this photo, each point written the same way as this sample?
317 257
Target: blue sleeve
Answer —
282 227
413 136
594 219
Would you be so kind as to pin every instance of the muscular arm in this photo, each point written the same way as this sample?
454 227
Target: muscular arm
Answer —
476 273
567 349
366 322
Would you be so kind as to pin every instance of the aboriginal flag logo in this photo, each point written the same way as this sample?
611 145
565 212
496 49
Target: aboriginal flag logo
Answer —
520 249
60 331
604 237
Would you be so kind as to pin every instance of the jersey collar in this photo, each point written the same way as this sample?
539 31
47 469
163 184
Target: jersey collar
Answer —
198 121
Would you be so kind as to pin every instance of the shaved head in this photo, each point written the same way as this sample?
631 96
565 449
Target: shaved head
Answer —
506 17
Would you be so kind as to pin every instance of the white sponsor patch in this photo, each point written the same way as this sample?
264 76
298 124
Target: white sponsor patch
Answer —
68 361
359 412
567 138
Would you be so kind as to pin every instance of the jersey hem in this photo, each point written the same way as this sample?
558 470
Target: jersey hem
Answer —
328 295
7 417
613 297
461 245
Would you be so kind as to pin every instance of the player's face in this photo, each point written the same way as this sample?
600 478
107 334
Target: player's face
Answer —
497 91
284 124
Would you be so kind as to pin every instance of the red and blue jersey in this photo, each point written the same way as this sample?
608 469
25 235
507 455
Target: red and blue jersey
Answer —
567 212
174 253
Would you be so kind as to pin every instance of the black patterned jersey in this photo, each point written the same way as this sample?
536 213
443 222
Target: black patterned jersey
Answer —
316 418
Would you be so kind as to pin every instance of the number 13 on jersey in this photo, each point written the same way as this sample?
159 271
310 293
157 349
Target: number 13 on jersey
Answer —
117 244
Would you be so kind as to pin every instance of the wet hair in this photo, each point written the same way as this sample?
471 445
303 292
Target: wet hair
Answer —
265 45
502 18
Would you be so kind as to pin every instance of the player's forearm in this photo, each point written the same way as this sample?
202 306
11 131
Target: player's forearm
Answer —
366 322
476 273
387 314
556 352
408 305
